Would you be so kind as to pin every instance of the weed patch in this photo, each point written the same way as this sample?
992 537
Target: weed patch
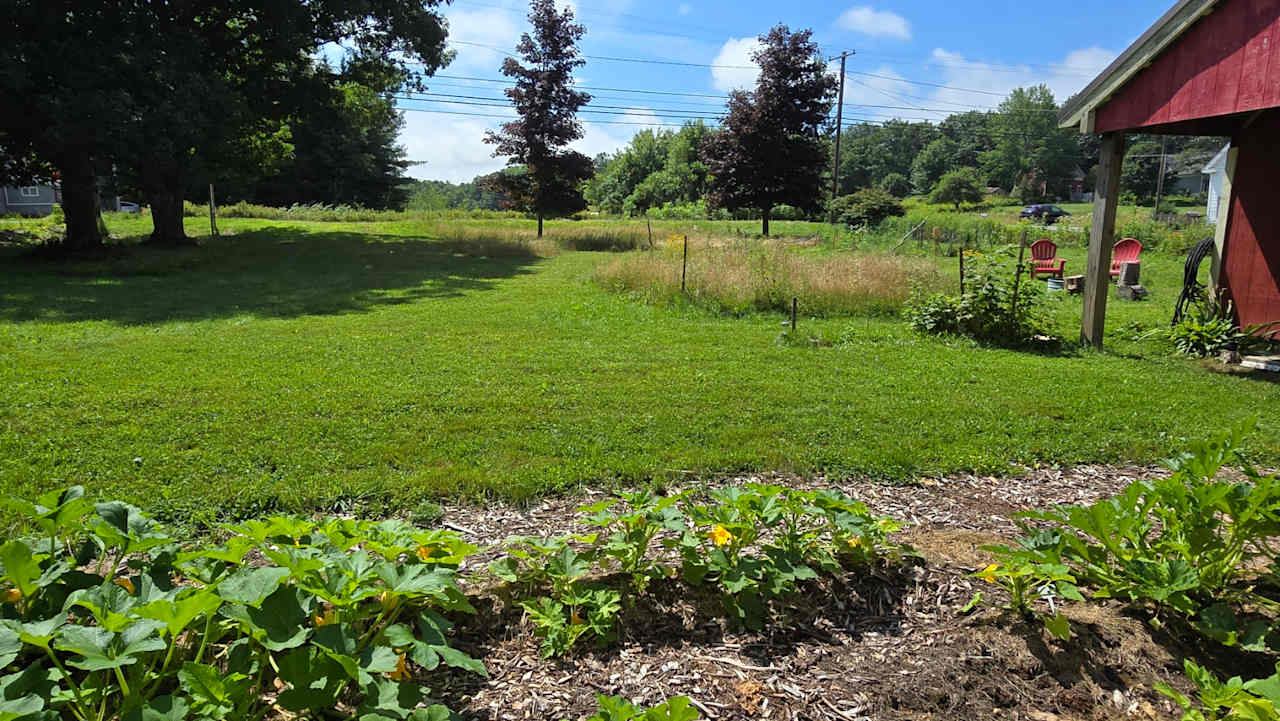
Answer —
740 280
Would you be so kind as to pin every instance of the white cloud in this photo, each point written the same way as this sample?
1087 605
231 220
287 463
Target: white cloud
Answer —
607 137
1064 78
876 23
862 93
736 69
493 28
685 8
453 147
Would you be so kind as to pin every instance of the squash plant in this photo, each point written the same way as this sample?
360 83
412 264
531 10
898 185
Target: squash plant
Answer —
103 615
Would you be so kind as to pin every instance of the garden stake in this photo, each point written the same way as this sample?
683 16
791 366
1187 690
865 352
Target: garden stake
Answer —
962 271
684 263
650 228
1017 278
795 305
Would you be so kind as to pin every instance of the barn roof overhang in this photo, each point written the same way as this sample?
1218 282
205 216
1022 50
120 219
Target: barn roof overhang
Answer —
1079 112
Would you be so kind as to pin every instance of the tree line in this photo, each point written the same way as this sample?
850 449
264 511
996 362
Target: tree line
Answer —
155 94
294 102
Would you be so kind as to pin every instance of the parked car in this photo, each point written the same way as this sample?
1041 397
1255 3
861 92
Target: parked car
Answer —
1049 214
127 207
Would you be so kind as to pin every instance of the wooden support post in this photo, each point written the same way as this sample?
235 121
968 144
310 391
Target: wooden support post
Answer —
213 213
650 229
1097 279
795 307
684 263
962 271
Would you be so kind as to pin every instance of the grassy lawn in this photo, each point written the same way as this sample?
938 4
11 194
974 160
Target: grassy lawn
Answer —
313 365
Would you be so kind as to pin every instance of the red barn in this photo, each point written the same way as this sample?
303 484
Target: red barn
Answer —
1208 67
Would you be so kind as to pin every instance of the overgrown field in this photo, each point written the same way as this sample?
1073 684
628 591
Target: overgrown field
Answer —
368 366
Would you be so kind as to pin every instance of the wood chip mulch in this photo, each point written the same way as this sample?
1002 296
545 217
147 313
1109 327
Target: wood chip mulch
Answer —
889 643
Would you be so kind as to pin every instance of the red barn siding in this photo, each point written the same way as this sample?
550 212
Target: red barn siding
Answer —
1251 266
1220 66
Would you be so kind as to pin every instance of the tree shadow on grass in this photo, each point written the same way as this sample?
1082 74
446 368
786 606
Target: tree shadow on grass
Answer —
281 272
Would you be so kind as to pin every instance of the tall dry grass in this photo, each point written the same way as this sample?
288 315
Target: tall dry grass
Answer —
737 279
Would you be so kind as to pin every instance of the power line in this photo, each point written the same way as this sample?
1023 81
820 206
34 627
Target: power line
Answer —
665 24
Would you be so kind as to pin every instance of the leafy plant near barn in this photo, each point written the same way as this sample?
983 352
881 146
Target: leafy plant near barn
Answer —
1187 546
107 616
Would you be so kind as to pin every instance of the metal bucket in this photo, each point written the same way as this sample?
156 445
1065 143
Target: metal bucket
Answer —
1055 285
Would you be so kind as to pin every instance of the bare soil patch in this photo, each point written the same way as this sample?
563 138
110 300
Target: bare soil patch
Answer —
889 643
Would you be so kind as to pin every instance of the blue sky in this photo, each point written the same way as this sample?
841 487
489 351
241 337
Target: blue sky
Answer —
914 60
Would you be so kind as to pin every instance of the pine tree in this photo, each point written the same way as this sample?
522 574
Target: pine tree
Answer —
547 103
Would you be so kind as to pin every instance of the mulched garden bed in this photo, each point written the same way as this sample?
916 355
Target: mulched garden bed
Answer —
890 643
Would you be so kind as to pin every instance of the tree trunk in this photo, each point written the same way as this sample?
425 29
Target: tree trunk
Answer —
164 195
764 219
539 224
81 205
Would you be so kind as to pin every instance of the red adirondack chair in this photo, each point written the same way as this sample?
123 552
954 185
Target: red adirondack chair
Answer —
1045 260
1127 250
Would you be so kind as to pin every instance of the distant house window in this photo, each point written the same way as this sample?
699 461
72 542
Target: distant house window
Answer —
30 191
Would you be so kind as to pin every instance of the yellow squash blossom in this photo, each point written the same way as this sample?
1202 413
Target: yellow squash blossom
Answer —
989 573
13 595
720 535
424 552
126 584
575 619
328 618
855 541
402 672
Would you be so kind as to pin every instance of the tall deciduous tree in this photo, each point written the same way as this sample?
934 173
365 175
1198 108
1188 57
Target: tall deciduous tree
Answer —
1031 151
148 87
547 104
769 151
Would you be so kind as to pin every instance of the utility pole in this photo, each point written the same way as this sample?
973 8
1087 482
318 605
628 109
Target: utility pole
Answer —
835 162
1160 180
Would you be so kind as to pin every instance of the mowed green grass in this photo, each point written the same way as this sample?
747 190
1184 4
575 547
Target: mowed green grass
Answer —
303 366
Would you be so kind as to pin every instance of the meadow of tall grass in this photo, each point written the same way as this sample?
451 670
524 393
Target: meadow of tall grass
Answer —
742 278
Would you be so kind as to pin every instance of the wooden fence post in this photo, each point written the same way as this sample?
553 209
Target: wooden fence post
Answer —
795 306
684 263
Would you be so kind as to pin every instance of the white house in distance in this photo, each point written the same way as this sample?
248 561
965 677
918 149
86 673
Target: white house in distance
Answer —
1217 172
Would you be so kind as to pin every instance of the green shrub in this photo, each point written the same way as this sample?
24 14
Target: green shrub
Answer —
867 207
958 187
988 310
896 184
